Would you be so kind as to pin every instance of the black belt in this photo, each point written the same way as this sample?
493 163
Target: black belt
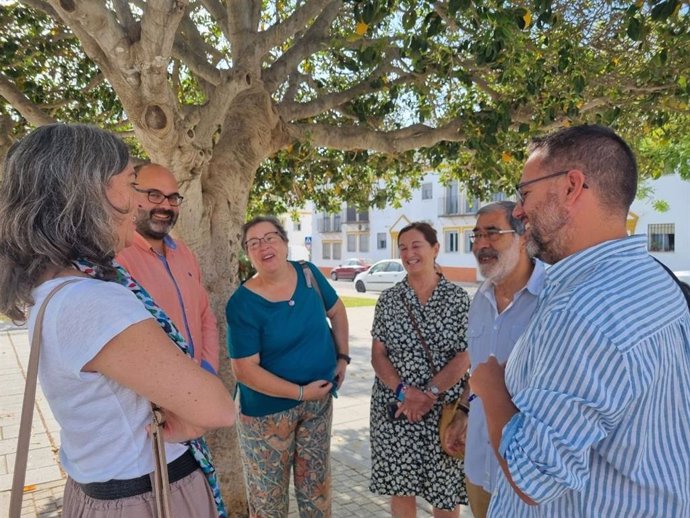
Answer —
114 489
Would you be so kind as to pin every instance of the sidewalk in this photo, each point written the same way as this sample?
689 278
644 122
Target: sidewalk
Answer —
349 447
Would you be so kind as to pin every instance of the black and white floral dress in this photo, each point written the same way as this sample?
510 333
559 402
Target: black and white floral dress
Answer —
407 458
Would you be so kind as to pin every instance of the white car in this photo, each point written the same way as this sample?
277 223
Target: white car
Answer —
380 276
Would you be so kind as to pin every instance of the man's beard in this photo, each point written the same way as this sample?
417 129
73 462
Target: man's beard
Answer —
546 235
505 263
149 227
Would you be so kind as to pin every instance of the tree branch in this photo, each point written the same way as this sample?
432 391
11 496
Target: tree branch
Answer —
297 21
158 27
351 138
197 64
23 104
40 5
296 111
219 13
312 41
124 14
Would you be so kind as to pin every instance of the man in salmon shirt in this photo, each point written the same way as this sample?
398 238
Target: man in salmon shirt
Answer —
166 267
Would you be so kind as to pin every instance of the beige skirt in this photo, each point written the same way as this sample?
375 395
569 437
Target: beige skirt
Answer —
189 497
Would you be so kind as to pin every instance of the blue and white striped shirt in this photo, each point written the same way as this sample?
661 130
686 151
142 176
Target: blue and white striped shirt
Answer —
601 379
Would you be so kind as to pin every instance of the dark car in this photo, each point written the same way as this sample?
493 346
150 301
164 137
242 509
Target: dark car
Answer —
350 269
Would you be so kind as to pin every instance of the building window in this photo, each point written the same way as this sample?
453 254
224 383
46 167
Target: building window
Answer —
352 242
337 250
427 191
381 241
451 241
468 243
470 205
661 237
498 196
364 242
326 250
350 214
297 226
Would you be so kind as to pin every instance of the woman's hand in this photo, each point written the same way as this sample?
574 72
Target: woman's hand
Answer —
416 404
316 390
340 369
176 429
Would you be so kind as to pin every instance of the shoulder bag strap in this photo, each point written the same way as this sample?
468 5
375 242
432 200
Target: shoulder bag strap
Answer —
683 287
429 358
161 483
312 283
19 475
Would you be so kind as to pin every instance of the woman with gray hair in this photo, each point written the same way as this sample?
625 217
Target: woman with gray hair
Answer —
106 349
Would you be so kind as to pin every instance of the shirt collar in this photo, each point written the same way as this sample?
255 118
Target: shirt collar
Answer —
534 285
585 260
141 242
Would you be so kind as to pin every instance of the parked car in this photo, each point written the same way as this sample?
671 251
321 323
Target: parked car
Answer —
350 269
380 276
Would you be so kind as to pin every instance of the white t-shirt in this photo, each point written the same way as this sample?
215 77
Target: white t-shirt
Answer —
103 434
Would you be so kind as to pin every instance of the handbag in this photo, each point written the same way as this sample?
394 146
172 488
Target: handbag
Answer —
161 486
450 409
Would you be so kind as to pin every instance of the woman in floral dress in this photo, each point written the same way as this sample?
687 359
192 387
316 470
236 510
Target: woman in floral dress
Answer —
407 459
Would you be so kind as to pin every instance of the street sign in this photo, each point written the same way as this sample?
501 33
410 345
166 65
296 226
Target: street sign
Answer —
307 242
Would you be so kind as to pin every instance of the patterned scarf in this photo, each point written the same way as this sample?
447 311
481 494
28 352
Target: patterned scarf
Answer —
198 446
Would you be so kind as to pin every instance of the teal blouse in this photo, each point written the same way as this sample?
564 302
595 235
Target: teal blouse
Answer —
292 338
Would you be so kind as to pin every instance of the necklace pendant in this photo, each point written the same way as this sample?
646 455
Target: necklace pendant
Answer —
291 302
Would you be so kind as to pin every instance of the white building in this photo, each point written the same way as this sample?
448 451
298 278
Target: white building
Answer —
299 233
668 233
372 234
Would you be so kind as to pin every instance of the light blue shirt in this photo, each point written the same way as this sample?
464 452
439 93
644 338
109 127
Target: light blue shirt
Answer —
601 379
494 333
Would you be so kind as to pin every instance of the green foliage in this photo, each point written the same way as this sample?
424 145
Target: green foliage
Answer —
45 61
501 71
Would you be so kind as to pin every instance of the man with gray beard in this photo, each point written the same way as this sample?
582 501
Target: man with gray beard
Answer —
499 313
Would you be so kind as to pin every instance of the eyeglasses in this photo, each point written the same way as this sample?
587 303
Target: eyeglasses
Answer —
491 235
518 188
157 197
269 238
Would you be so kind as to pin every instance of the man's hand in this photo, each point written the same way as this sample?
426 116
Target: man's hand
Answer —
455 435
488 378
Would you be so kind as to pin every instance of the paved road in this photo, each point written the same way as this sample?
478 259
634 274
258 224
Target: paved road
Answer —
350 441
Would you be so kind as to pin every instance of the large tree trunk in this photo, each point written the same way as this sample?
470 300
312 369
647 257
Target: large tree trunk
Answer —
216 187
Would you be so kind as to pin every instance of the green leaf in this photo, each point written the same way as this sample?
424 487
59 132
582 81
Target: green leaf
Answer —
409 19
635 29
663 10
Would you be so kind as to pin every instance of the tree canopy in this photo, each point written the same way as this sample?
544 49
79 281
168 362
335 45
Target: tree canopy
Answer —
368 93
333 100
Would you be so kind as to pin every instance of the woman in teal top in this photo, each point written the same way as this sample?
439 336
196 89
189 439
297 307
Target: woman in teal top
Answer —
287 363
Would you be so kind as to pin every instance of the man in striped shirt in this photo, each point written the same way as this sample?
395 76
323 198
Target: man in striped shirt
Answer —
591 417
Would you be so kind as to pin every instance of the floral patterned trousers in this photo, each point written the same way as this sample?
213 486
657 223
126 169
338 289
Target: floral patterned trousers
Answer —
298 438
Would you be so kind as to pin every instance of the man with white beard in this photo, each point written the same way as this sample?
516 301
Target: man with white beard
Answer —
498 315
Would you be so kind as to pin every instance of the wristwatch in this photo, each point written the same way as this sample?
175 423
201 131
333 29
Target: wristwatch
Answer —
435 391
345 357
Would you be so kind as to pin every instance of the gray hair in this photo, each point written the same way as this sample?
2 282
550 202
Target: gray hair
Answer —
54 208
507 208
263 219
